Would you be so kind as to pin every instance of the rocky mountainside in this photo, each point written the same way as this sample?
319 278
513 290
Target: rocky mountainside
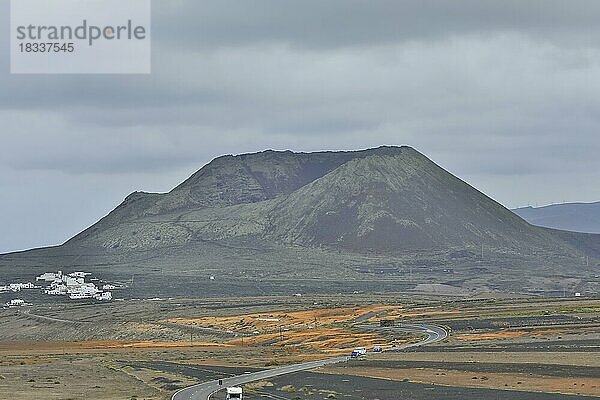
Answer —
390 199
577 217
373 221
396 201
227 181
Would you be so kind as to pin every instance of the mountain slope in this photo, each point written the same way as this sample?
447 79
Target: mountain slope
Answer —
577 217
230 180
391 199
401 201
378 220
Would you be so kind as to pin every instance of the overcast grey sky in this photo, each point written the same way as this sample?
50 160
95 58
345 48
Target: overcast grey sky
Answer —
504 94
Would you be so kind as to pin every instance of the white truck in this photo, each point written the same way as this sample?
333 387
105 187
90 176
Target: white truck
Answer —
357 352
234 393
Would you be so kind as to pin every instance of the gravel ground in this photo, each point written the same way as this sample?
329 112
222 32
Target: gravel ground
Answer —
312 386
317 386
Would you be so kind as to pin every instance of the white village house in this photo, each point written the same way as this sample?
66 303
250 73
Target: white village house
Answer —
74 286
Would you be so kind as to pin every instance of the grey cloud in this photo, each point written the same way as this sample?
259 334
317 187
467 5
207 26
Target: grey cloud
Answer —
340 23
502 93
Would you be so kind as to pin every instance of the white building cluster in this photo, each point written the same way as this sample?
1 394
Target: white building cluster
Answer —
16 303
16 287
74 286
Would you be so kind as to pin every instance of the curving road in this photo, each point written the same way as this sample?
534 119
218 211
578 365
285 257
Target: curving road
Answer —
434 333
203 391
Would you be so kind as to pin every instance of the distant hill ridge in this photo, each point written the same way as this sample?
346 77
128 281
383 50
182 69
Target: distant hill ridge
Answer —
577 217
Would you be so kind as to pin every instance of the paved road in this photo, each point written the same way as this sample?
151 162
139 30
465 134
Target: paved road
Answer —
203 391
434 333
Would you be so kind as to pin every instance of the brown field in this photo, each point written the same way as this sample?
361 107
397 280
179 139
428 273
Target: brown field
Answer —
452 376
333 341
589 359
491 336
504 381
318 330
65 378
100 345
268 322
104 368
